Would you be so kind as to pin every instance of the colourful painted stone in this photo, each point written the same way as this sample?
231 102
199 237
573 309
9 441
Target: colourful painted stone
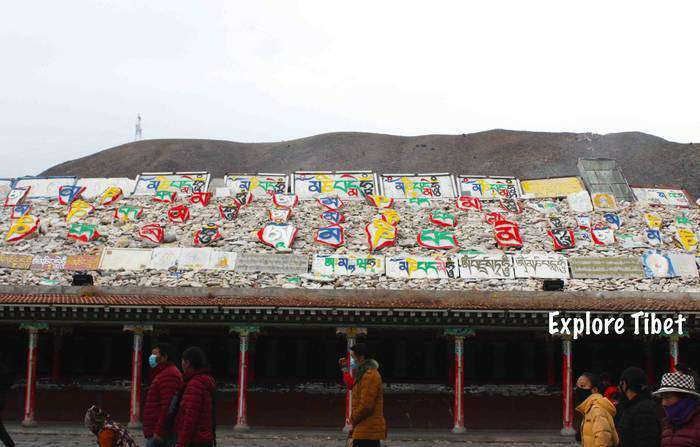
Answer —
154 232
562 238
419 202
109 196
179 214
228 213
436 239
380 234
285 200
83 232
280 215
583 221
207 234
555 221
653 221
652 237
243 198
20 210
68 193
684 222
23 228
16 196
687 238
78 210
165 196
613 220
278 236
443 219
390 216
331 203
200 198
507 234
127 213
333 217
604 201
332 235
467 203
510 205
494 217
380 201
602 234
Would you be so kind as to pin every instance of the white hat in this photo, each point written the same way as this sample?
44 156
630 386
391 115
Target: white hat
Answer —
677 382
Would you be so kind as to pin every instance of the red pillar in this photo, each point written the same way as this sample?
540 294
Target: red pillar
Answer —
136 368
459 386
244 340
673 356
30 389
567 388
241 418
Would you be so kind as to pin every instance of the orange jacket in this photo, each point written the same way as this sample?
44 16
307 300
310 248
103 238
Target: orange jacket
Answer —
367 416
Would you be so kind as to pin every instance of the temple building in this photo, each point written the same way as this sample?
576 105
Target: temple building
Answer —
449 282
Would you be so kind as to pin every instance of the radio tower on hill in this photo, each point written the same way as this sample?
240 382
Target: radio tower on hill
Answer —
137 135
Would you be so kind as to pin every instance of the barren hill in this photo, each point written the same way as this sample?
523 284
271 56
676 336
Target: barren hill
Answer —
645 159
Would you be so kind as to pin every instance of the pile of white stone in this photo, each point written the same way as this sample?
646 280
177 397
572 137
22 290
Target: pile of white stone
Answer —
240 236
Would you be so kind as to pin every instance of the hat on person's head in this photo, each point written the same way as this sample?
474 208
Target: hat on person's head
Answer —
634 377
677 382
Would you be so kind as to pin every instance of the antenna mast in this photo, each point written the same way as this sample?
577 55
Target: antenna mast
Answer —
137 136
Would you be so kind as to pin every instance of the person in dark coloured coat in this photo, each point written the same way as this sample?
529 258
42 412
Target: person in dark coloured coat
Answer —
639 424
681 402
166 382
195 423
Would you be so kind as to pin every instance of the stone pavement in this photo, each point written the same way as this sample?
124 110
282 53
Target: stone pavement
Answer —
77 436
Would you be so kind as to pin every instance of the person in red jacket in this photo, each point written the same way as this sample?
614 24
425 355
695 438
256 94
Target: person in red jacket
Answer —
166 382
195 423
681 402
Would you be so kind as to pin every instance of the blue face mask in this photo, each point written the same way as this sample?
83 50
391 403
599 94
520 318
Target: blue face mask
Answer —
353 363
153 361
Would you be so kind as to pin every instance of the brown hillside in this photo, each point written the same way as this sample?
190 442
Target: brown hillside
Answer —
645 159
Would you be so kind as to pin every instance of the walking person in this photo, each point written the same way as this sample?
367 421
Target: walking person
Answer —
195 423
598 426
639 424
367 417
166 382
108 432
681 403
7 379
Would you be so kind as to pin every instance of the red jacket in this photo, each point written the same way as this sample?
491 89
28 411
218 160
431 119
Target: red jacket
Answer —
686 436
166 381
193 423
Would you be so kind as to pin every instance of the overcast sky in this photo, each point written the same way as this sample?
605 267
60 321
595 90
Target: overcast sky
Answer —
75 74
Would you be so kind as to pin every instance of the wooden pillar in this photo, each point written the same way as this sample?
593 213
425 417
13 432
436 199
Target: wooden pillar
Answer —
136 368
673 356
30 390
351 334
567 388
244 334
458 334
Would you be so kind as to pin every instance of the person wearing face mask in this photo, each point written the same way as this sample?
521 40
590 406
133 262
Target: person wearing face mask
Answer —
166 381
367 416
195 423
681 403
598 427
639 424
